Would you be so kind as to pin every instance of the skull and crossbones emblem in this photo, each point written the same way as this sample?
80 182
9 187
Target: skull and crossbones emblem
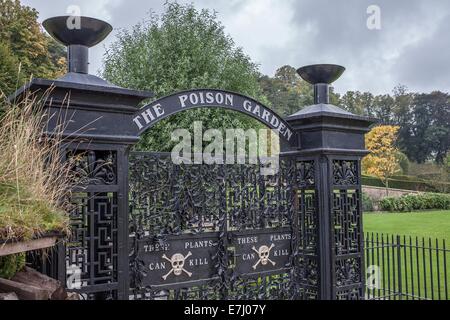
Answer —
177 262
263 253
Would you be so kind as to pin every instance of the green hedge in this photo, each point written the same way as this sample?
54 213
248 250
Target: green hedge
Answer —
407 178
429 176
406 183
425 201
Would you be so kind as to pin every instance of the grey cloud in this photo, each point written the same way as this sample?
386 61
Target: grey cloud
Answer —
426 65
371 56
412 48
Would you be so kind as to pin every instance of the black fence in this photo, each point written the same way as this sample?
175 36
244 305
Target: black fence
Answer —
406 268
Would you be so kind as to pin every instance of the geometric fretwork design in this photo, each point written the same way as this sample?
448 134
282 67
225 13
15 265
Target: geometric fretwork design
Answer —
308 220
93 245
92 249
308 267
169 200
346 218
346 227
350 294
307 264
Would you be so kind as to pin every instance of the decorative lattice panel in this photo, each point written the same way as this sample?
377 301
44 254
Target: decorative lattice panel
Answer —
230 206
92 250
346 229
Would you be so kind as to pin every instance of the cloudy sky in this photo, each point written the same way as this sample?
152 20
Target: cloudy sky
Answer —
412 46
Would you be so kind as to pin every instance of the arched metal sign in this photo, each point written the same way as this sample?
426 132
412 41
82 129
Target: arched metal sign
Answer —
172 104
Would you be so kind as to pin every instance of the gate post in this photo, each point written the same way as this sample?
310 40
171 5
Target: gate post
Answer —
334 140
95 121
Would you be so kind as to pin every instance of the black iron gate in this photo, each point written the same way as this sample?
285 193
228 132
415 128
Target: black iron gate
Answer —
221 231
205 231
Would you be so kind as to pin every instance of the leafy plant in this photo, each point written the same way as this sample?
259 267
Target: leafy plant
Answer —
426 201
9 265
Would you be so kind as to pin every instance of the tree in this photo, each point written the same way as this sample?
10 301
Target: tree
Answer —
358 103
288 92
27 45
425 132
423 119
403 100
382 162
10 74
183 49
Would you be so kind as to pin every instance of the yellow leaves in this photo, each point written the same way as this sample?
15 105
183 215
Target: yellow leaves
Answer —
382 161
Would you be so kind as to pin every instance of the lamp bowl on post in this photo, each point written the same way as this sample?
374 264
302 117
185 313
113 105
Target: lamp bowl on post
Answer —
321 73
321 76
78 34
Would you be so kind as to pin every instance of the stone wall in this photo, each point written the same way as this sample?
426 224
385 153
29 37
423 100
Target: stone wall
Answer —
378 193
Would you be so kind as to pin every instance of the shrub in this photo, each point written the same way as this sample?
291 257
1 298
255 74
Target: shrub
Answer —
367 202
425 201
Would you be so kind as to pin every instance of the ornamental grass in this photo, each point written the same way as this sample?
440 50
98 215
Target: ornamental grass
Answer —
34 183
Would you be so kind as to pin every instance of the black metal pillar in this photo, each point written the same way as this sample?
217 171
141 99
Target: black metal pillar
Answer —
98 133
334 140
97 138
94 119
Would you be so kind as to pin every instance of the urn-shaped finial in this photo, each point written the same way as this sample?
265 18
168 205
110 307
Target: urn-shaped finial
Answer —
78 34
321 76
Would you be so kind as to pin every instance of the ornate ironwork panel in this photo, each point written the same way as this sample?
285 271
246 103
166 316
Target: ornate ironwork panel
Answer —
346 229
345 172
94 167
222 231
92 250
307 268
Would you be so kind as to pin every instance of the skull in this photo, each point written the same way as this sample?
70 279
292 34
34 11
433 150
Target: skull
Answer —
177 262
264 252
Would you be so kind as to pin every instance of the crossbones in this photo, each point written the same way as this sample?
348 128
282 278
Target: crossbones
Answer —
263 253
177 261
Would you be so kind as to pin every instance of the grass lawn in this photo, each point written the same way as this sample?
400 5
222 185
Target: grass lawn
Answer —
434 224
423 271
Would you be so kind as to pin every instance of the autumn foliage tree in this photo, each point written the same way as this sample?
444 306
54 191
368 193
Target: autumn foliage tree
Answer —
25 50
382 162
